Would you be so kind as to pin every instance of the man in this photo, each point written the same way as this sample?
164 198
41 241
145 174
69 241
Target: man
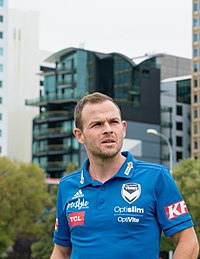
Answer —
115 206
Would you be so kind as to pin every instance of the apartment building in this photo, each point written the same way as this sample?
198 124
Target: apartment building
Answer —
195 85
71 74
19 62
176 118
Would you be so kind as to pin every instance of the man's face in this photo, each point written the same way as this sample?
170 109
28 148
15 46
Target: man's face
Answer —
103 131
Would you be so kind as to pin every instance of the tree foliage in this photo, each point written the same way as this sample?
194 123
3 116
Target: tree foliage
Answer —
23 198
43 247
187 178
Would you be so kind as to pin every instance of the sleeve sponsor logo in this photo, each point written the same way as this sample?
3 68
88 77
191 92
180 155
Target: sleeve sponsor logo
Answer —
56 225
175 210
76 218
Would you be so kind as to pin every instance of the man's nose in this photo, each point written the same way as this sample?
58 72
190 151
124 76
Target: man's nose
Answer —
107 127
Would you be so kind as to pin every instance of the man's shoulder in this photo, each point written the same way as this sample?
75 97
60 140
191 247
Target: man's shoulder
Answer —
71 177
141 164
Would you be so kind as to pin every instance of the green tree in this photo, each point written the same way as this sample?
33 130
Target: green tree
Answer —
187 178
23 199
43 247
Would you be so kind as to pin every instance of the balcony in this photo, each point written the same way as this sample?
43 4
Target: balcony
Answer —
56 166
52 150
51 133
70 97
53 116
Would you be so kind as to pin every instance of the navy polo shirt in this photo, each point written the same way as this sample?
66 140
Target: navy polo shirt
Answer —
121 218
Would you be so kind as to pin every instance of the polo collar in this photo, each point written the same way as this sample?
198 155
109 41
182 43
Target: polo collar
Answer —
126 171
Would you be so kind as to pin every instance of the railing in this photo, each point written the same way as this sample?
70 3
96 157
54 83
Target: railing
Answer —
57 165
54 115
71 95
52 149
47 132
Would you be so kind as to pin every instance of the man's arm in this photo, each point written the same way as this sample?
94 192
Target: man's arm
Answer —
61 252
187 246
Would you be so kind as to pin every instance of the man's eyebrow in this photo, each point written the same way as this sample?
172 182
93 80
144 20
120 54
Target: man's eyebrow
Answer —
96 121
103 120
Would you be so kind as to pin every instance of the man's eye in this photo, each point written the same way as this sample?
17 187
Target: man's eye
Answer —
96 124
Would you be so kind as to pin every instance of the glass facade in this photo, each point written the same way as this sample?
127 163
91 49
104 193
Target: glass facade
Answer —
125 91
183 88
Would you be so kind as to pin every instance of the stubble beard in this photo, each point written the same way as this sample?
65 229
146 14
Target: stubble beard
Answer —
106 153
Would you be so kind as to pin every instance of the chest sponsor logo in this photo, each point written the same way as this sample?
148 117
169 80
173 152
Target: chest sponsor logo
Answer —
128 214
131 192
78 204
175 210
76 218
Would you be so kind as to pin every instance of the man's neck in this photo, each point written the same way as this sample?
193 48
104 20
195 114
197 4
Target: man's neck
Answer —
103 169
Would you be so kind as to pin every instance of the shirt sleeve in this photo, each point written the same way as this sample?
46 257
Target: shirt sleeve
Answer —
172 212
61 232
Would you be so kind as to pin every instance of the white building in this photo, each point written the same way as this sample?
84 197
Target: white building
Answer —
175 117
19 63
3 77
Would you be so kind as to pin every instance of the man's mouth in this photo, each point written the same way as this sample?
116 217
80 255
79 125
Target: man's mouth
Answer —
109 141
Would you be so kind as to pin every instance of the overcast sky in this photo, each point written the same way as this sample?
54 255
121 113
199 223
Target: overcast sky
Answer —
130 27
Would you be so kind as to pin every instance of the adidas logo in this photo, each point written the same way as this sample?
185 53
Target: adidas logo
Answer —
78 194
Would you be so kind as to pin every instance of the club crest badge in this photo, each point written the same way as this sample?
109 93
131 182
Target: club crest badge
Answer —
131 192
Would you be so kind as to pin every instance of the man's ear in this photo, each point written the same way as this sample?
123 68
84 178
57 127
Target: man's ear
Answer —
124 125
79 135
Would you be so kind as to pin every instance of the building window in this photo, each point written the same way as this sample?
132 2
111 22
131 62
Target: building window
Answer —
195 113
195 144
183 89
1 35
179 125
0 132
196 52
1 83
1 67
179 110
179 155
196 37
195 128
1 2
1 116
196 22
146 73
195 98
195 83
1 100
196 7
1 18
196 67
179 141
